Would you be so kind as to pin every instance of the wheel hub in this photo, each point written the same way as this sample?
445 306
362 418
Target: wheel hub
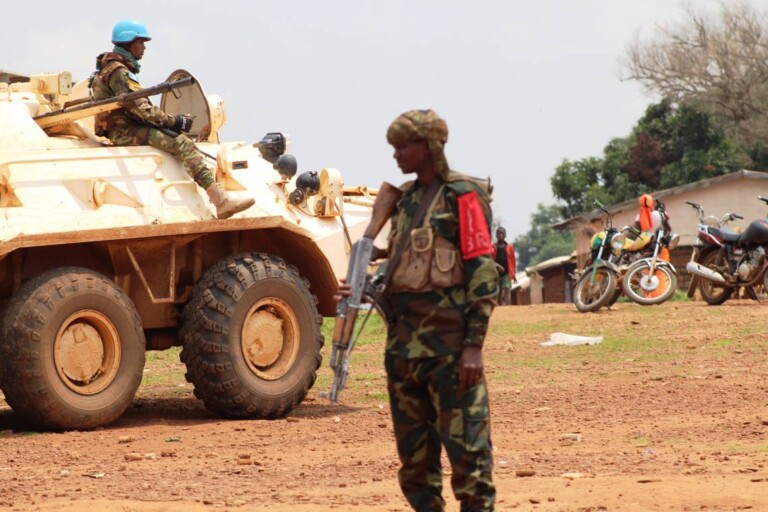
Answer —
87 352
262 338
80 352
269 338
649 282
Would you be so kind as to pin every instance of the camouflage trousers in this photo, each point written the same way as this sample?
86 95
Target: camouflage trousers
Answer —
427 413
181 147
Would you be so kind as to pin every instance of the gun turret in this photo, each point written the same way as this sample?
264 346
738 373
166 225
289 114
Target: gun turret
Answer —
77 110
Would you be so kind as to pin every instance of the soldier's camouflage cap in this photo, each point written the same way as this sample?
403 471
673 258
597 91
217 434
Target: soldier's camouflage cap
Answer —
422 125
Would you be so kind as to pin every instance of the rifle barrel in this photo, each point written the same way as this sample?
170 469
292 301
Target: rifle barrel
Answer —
79 110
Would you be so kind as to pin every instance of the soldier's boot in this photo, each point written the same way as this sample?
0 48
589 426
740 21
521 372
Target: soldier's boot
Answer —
225 205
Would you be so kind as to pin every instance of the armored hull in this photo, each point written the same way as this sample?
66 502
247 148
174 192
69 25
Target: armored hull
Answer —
106 252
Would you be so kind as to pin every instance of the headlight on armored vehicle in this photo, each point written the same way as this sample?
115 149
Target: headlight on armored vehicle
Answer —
272 145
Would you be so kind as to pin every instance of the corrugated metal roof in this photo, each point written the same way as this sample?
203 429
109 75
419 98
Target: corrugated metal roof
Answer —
660 194
557 261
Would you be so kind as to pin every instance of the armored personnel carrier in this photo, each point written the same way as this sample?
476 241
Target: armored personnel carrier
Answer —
106 252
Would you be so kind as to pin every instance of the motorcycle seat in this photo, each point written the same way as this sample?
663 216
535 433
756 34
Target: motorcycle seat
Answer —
725 234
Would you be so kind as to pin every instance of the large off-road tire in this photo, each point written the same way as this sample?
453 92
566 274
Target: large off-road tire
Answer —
712 293
251 337
646 289
73 350
590 294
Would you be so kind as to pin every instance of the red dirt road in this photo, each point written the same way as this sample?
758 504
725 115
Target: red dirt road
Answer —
670 412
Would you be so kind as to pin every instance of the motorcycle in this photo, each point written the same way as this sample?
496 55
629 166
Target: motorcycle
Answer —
653 280
730 260
704 249
597 283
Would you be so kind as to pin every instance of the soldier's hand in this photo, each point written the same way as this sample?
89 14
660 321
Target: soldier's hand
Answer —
470 367
182 123
378 253
345 290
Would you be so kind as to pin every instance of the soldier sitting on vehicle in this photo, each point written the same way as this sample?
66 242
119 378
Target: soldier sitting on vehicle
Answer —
142 123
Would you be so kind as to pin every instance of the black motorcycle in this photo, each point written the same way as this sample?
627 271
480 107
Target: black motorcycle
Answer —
705 248
730 260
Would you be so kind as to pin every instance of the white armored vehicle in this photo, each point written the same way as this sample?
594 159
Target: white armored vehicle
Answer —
106 252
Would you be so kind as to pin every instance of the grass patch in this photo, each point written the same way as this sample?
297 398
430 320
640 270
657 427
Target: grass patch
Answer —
749 448
375 396
507 329
726 343
680 296
375 329
164 368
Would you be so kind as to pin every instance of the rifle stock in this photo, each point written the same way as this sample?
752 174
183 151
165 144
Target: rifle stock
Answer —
76 109
358 278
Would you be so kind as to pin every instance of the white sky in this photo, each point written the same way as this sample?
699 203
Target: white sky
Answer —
522 85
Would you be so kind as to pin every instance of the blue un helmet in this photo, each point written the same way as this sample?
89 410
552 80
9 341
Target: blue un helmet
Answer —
125 31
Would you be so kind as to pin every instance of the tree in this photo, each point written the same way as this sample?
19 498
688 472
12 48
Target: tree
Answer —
578 184
717 62
670 145
542 242
679 144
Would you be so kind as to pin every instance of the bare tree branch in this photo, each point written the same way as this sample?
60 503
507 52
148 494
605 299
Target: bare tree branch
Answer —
719 62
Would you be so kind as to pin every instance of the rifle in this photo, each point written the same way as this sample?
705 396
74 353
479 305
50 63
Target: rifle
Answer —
75 110
361 284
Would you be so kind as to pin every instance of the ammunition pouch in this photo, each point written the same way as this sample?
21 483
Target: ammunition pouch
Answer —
428 263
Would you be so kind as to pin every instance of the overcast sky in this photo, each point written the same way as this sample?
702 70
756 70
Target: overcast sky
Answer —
522 84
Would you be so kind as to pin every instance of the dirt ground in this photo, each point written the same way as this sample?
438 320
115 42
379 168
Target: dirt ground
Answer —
670 412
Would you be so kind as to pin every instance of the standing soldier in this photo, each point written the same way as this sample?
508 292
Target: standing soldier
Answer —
504 256
140 123
442 292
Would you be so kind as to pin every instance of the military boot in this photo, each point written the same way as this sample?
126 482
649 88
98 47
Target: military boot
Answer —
225 205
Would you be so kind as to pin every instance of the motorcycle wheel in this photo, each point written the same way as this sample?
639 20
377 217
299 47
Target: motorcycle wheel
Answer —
590 294
646 289
759 292
713 294
616 294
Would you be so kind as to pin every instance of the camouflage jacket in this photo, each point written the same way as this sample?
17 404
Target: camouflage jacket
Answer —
115 76
436 321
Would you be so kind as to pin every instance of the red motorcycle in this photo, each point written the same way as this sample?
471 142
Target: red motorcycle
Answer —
726 260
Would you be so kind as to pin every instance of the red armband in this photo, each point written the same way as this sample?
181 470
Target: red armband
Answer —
474 235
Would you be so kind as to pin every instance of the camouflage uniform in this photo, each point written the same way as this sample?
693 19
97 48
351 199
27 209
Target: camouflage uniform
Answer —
441 303
133 125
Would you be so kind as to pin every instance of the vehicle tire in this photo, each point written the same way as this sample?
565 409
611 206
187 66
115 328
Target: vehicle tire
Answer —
713 293
74 350
757 293
251 337
645 289
591 294
612 300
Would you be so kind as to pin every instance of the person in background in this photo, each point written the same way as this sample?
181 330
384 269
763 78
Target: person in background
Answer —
647 221
142 123
504 256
